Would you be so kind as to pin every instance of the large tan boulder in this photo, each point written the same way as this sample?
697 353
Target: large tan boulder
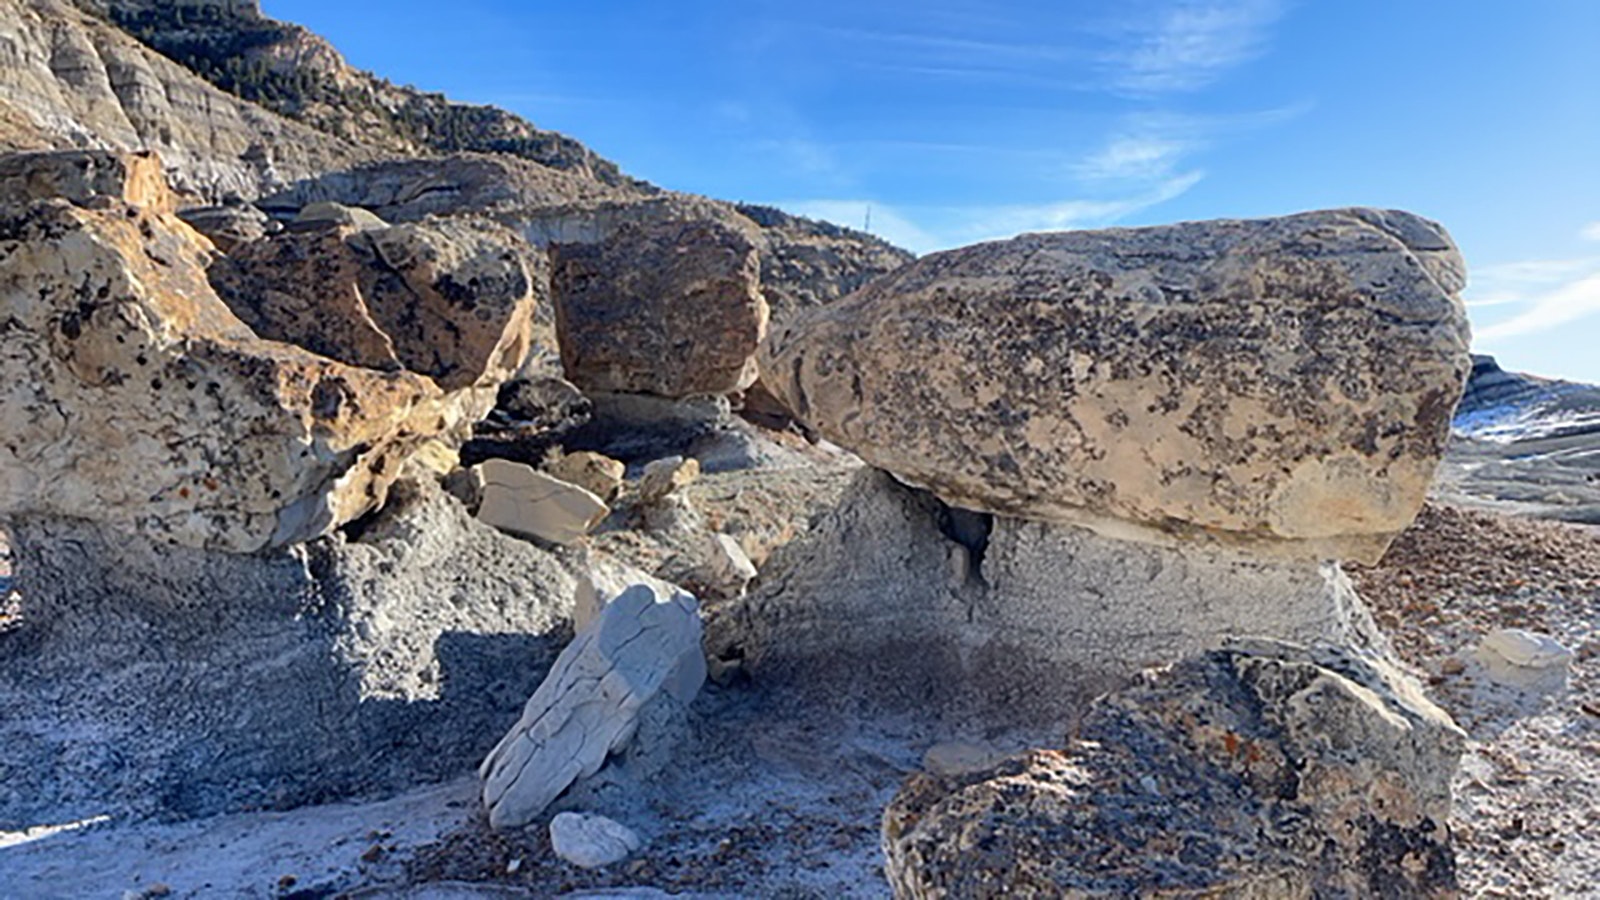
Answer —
452 299
671 308
1284 383
131 396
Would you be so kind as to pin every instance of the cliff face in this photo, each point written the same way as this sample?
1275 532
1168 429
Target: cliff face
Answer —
71 80
236 103
295 73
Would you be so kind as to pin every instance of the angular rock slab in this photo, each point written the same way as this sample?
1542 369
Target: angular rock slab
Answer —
1285 383
672 309
523 500
643 647
130 395
1260 770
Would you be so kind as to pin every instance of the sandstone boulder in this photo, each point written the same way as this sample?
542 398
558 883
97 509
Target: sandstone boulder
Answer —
130 394
1285 383
523 500
451 299
642 648
85 178
672 309
1260 770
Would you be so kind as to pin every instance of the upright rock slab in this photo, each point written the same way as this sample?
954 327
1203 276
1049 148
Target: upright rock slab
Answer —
1282 383
1259 770
130 395
671 308
642 648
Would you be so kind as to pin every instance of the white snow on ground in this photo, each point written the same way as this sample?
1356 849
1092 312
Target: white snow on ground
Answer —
1509 423
264 854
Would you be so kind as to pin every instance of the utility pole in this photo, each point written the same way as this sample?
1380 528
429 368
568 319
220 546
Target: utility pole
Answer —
867 225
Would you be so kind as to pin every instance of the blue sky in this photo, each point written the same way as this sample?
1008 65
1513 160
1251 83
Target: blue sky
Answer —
955 121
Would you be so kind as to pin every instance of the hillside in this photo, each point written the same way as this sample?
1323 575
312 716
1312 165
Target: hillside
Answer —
297 74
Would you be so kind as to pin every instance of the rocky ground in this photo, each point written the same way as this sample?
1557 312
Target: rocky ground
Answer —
774 798
1528 794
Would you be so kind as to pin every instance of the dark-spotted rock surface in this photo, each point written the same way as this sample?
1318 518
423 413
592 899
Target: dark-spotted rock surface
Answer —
131 396
1285 383
453 299
1262 770
672 309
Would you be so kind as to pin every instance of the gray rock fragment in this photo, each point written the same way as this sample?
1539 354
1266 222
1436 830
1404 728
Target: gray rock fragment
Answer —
641 647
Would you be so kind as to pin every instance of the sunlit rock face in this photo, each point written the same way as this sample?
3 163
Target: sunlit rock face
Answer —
1284 383
130 395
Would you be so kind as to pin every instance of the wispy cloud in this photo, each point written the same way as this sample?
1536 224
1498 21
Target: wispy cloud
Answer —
1576 300
927 228
1192 43
1551 292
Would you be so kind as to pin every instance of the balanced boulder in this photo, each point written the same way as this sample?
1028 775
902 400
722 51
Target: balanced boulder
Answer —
671 308
1285 383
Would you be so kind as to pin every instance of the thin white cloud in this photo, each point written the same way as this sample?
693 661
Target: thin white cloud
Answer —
1576 300
1590 232
1525 281
1133 156
1192 43
925 229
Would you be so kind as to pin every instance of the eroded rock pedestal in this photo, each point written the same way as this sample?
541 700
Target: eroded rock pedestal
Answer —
900 600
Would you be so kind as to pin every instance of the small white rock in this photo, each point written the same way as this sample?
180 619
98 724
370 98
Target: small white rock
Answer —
1519 657
727 567
591 841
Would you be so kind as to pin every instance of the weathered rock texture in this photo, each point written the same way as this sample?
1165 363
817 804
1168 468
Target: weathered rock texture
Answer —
1261 770
672 310
452 299
71 80
642 649
148 678
131 395
899 600
1285 383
